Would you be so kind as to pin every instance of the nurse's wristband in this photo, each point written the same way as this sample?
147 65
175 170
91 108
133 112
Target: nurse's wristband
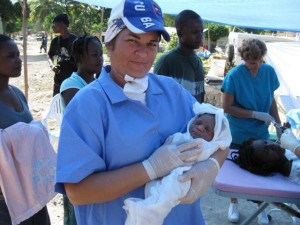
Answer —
216 163
149 169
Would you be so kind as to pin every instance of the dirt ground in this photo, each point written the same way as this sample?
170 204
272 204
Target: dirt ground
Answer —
40 80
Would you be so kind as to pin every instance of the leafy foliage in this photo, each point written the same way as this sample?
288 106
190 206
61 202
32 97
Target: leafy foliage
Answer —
173 42
216 31
86 19
169 20
43 9
11 15
6 9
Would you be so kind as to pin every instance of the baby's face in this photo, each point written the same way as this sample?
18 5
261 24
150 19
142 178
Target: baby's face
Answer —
203 127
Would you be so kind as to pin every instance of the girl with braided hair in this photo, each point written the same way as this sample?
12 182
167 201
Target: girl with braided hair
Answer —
266 158
87 54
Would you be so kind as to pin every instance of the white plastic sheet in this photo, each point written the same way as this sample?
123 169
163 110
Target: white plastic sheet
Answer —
285 58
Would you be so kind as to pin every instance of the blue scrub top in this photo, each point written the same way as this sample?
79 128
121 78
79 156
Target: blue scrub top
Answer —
252 93
103 130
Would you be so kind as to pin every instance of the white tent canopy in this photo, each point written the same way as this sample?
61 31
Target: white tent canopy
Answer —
280 15
284 57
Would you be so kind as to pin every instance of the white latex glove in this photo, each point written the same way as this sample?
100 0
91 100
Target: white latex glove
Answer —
208 148
262 116
289 140
169 156
202 174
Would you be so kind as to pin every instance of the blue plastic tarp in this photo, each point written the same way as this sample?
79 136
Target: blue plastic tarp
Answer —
279 15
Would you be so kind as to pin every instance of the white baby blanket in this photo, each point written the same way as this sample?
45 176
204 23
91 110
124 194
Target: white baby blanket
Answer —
163 196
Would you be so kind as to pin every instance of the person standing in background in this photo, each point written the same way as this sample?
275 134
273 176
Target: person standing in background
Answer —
59 52
249 104
87 54
44 43
181 62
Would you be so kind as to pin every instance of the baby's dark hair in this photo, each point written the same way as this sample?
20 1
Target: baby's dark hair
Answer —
246 159
79 46
4 38
210 114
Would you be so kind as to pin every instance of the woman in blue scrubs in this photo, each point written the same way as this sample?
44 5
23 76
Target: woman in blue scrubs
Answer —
248 99
114 131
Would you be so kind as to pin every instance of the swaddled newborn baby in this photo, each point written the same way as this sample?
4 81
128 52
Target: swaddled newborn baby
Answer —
211 129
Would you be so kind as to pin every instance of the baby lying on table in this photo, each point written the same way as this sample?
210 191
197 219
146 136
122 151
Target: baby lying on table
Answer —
211 129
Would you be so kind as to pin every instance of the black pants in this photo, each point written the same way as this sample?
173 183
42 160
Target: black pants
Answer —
69 214
43 47
40 218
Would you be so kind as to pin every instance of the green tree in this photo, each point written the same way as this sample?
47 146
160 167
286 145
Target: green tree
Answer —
11 15
169 20
173 41
85 18
6 9
42 12
216 31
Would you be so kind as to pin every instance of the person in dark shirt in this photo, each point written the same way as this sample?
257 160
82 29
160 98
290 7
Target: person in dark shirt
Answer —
182 63
59 52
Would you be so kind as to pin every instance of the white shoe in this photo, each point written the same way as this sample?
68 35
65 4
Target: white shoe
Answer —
233 213
262 218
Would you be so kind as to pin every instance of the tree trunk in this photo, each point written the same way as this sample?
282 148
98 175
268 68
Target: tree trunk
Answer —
1 26
101 24
24 24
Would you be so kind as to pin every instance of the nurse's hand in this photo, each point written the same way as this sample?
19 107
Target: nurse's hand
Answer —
289 141
202 174
169 156
266 117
